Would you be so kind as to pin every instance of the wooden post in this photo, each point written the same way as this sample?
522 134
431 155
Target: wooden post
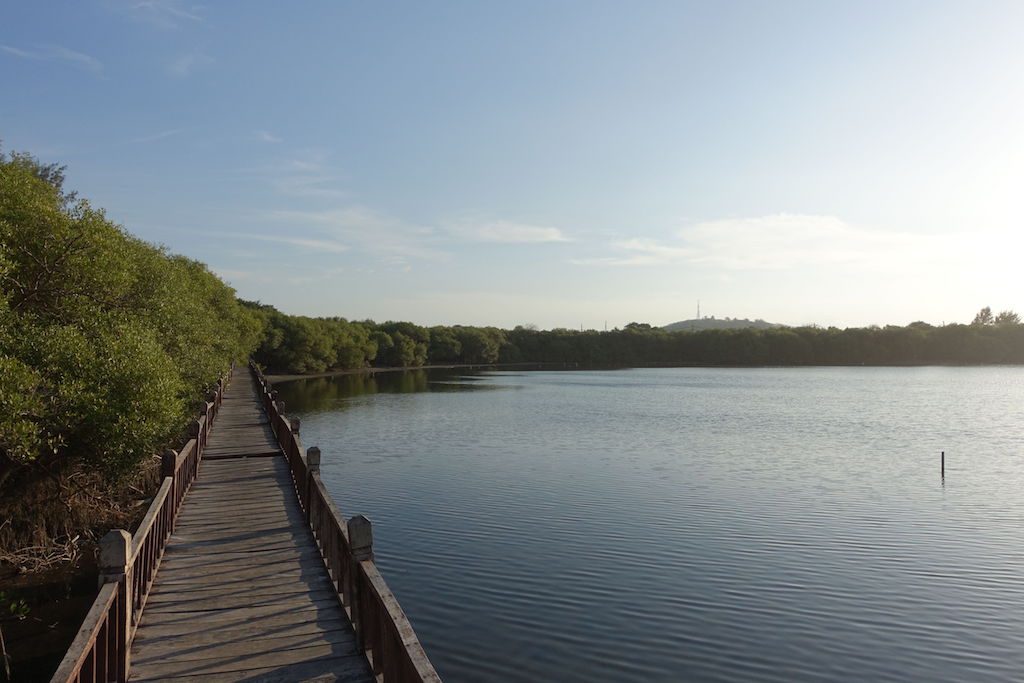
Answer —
115 553
193 433
943 465
360 543
168 462
280 406
295 424
312 468
360 538
115 550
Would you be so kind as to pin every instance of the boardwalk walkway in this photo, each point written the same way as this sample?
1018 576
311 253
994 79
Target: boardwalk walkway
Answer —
242 593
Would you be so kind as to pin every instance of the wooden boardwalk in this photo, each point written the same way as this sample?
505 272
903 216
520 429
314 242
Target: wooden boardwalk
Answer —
242 593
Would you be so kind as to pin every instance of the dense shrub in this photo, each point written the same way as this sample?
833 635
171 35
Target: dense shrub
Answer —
105 341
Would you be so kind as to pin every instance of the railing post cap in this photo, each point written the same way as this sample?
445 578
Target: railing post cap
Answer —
115 549
360 537
167 462
313 456
295 424
193 428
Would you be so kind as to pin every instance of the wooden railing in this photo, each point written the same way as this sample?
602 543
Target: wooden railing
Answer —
128 564
382 628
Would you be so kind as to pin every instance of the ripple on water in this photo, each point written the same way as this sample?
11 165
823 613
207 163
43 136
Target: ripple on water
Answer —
708 525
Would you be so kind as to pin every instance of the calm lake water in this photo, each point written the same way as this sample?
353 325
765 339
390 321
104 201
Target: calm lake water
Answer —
691 524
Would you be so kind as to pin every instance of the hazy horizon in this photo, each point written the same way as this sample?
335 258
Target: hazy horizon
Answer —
556 165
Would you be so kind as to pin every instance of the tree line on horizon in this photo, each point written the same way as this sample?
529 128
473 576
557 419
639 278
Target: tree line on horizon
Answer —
107 342
306 345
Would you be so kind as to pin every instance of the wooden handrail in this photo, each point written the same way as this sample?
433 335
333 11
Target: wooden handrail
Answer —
394 649
382 628
90 657
99 653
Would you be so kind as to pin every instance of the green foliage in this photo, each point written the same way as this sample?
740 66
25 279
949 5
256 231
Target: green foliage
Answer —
13 606
303 345
984 317
104 339
1007 318
444 347
480 345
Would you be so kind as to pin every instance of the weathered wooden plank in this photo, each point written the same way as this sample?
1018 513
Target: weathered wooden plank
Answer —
195 650
86 635
345 662
242 592
180 632
253 589
343 669
234 558
159 644
217 551
217 603
242 575
240 614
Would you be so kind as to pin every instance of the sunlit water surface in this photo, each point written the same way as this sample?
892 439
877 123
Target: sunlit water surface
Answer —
691 524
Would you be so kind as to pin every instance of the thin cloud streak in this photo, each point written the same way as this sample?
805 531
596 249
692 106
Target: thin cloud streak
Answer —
305 176
301 242
394 239
507 232
57 53
784 241
163 13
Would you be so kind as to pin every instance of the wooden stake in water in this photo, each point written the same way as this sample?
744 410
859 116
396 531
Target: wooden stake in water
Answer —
943 464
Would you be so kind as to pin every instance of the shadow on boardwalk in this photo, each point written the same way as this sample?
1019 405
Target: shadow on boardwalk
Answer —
242 593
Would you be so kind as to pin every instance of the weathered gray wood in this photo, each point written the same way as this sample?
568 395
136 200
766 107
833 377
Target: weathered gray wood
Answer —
344 669
242 592
86 636
217 604
256 590
147 522
224 648
182 634
167 463
115 554
242 575
346 662
161 646
360 538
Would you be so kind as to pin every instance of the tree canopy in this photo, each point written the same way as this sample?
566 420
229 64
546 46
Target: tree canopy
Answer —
105 340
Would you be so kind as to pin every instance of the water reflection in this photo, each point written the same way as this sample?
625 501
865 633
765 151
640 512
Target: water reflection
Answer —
772 525
321 394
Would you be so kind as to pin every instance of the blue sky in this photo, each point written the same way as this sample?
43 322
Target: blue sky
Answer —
555 163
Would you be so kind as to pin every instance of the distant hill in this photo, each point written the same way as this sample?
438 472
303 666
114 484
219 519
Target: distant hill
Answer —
719 324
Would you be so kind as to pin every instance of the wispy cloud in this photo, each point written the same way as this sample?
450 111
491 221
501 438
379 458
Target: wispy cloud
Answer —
370 230
186 64
57 53
639 252
312 244
305 175
778 242
266 136
163 13
157 136
507 232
